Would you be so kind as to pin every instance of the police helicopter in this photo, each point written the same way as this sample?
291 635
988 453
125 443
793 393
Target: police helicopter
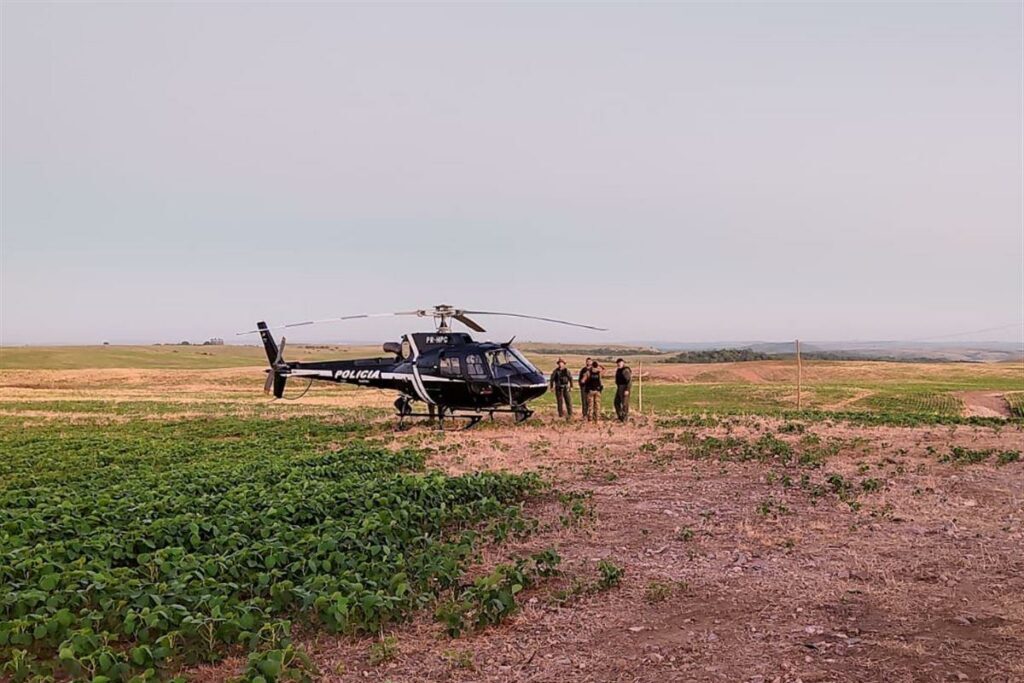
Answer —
447 371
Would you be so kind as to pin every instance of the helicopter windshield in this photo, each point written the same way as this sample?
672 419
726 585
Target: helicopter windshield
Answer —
508 362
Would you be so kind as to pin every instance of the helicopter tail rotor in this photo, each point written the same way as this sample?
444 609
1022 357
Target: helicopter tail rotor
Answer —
275 354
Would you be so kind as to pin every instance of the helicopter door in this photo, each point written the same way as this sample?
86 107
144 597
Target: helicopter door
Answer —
477 377
450 366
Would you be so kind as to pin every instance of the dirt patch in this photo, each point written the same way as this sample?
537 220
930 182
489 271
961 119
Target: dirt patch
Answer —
921 580
984 404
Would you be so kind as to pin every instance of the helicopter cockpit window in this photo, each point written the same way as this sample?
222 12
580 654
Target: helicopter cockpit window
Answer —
475 366
522 359
504 363
450 367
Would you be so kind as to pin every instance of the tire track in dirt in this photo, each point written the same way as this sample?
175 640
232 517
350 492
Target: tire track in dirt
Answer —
847 402
984 404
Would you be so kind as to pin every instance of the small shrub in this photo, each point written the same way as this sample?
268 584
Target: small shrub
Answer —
1006 457
577 507
769 507
870 485
611 574
383 650
958 455
657 591
461 659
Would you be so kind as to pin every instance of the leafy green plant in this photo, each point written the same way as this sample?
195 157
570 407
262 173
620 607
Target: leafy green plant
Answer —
1006 457
285 664
577 507
491 598
610 574
871 484
769 507
959 455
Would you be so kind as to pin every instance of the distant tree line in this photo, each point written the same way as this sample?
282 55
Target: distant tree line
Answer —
739 355
717 356
592 351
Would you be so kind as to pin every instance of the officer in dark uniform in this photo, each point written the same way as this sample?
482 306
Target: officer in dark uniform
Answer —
592 378
583 389
623 383
561 384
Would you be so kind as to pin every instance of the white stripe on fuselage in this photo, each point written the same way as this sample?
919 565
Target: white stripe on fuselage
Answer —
417 379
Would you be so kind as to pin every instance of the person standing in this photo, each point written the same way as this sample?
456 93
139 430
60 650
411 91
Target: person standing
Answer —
561 384
583 389
594 389
623 383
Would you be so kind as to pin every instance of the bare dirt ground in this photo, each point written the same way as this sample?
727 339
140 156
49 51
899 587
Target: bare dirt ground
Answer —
985 404
922 583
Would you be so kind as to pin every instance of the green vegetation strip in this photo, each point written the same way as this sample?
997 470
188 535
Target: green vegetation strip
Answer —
132 549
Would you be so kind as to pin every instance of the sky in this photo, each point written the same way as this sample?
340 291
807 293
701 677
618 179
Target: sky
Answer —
685 172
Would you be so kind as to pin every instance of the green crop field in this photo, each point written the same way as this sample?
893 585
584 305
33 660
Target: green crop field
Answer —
155 545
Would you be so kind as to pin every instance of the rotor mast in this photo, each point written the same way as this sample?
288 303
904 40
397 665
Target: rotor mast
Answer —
442 314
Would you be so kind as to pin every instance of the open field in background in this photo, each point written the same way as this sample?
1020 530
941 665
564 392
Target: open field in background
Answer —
158 520
235 374
163 356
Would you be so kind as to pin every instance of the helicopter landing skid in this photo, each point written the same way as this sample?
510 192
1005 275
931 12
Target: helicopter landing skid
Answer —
472 419
522 413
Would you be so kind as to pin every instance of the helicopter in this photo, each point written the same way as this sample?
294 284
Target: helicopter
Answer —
448 371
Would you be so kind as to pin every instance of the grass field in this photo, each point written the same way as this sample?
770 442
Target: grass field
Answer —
163 357
163 520
743 388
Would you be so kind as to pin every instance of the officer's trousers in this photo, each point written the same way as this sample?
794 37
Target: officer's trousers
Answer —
564 397
622 403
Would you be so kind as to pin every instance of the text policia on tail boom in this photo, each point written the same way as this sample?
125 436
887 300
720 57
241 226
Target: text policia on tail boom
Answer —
449 372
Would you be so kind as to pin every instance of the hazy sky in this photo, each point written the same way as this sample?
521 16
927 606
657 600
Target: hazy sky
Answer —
673 172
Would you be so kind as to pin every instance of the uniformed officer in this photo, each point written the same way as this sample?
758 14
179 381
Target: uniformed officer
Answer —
623 383
561 384
583 389
594 389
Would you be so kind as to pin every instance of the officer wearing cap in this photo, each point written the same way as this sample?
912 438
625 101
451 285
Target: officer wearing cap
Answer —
561 384
623 383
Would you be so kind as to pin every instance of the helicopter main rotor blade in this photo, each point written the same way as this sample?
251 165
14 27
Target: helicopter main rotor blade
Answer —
469 322
334 320
537 317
